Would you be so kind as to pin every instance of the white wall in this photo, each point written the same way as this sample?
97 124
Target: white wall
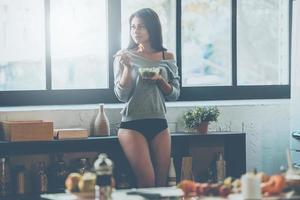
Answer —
295 90
295 80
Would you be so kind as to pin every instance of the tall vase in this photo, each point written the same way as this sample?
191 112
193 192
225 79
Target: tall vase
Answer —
101 125
202 128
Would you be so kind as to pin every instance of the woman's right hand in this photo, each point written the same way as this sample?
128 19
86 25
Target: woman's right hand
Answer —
125 69
125 60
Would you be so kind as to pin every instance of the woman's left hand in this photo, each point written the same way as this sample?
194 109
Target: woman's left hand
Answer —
154 79
161 82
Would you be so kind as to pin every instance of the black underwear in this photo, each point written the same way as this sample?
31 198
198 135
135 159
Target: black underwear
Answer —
149 128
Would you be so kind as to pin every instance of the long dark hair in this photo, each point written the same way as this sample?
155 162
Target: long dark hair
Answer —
153 26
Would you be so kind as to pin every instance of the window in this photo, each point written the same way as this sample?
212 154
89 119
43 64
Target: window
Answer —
235 49
262 42
206 43
78 44
61 51
22 47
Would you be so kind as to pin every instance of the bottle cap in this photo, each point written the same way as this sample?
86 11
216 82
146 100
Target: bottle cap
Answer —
221 156
103 165
101 106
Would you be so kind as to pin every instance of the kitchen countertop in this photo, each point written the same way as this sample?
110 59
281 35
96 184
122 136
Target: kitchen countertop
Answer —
122 195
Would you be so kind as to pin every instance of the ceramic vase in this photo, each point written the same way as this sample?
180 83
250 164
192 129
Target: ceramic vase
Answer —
101 124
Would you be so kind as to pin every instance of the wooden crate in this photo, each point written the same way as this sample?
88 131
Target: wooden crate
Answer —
35 130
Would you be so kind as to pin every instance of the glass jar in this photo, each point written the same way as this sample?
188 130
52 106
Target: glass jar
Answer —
5 178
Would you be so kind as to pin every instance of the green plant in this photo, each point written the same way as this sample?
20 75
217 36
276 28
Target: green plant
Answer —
193 118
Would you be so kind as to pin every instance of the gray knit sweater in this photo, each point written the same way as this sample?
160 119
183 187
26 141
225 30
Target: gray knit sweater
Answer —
144 99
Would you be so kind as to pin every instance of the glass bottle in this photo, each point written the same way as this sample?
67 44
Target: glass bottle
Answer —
123 182
42 178
20 179
101 124
221 168
172 174
83 166
104 181
61 175
5 178
212 170
57 174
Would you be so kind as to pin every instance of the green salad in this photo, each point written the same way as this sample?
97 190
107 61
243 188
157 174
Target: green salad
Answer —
148 72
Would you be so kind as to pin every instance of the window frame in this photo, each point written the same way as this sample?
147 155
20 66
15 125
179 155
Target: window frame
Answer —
234 92
92 96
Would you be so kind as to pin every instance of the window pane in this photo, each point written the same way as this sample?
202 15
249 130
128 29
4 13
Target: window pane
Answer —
263 42
206 42
22 45
166 11
79 44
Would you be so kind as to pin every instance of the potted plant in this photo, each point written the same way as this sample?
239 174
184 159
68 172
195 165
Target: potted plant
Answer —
199 118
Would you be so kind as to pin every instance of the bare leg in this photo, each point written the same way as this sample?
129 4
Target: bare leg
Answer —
161 152
137 152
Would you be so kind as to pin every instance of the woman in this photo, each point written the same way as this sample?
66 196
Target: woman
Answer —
144 134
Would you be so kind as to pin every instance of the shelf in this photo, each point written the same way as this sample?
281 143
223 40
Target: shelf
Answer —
99 144
54 146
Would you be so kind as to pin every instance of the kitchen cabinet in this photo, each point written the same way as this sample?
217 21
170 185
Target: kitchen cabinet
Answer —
233 144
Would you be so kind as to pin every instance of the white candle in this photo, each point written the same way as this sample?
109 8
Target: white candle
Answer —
251 187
